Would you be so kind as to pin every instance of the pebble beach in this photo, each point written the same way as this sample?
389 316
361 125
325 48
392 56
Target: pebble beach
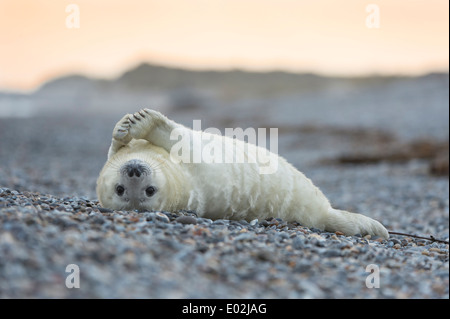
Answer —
179 255
50 217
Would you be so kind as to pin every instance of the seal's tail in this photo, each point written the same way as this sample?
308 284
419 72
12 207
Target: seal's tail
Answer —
351 224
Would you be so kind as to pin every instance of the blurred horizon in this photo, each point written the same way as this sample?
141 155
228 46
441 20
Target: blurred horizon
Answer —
325 38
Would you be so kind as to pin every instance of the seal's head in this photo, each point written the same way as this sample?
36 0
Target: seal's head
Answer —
141 176
131 185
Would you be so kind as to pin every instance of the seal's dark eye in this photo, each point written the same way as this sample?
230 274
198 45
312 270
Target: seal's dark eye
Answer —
120 190
150 191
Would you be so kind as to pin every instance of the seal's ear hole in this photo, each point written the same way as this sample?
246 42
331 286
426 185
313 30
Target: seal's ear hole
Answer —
150 191
120 190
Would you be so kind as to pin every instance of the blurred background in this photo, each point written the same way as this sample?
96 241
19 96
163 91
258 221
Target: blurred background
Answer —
357 89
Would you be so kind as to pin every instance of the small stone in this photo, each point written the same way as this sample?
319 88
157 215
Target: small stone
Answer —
243 236
298 243
332 253
264 255
220 222
162 217
316 236
201 231
426 253
186 220
104 210
273 222
437 250
421 242
254 222
264 223
206 221
243 222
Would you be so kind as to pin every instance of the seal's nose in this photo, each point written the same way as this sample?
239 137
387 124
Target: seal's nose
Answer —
134 168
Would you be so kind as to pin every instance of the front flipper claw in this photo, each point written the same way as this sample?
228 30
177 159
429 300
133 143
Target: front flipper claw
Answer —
122 129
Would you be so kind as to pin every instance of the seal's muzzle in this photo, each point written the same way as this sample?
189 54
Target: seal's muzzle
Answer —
134 168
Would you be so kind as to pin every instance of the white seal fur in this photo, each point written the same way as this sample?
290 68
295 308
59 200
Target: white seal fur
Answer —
141 174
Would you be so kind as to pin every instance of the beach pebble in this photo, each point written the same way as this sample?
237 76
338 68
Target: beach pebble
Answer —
186 220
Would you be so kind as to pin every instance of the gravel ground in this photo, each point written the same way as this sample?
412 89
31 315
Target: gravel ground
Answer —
178 255
50 218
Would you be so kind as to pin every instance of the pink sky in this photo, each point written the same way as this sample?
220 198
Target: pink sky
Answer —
328 37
